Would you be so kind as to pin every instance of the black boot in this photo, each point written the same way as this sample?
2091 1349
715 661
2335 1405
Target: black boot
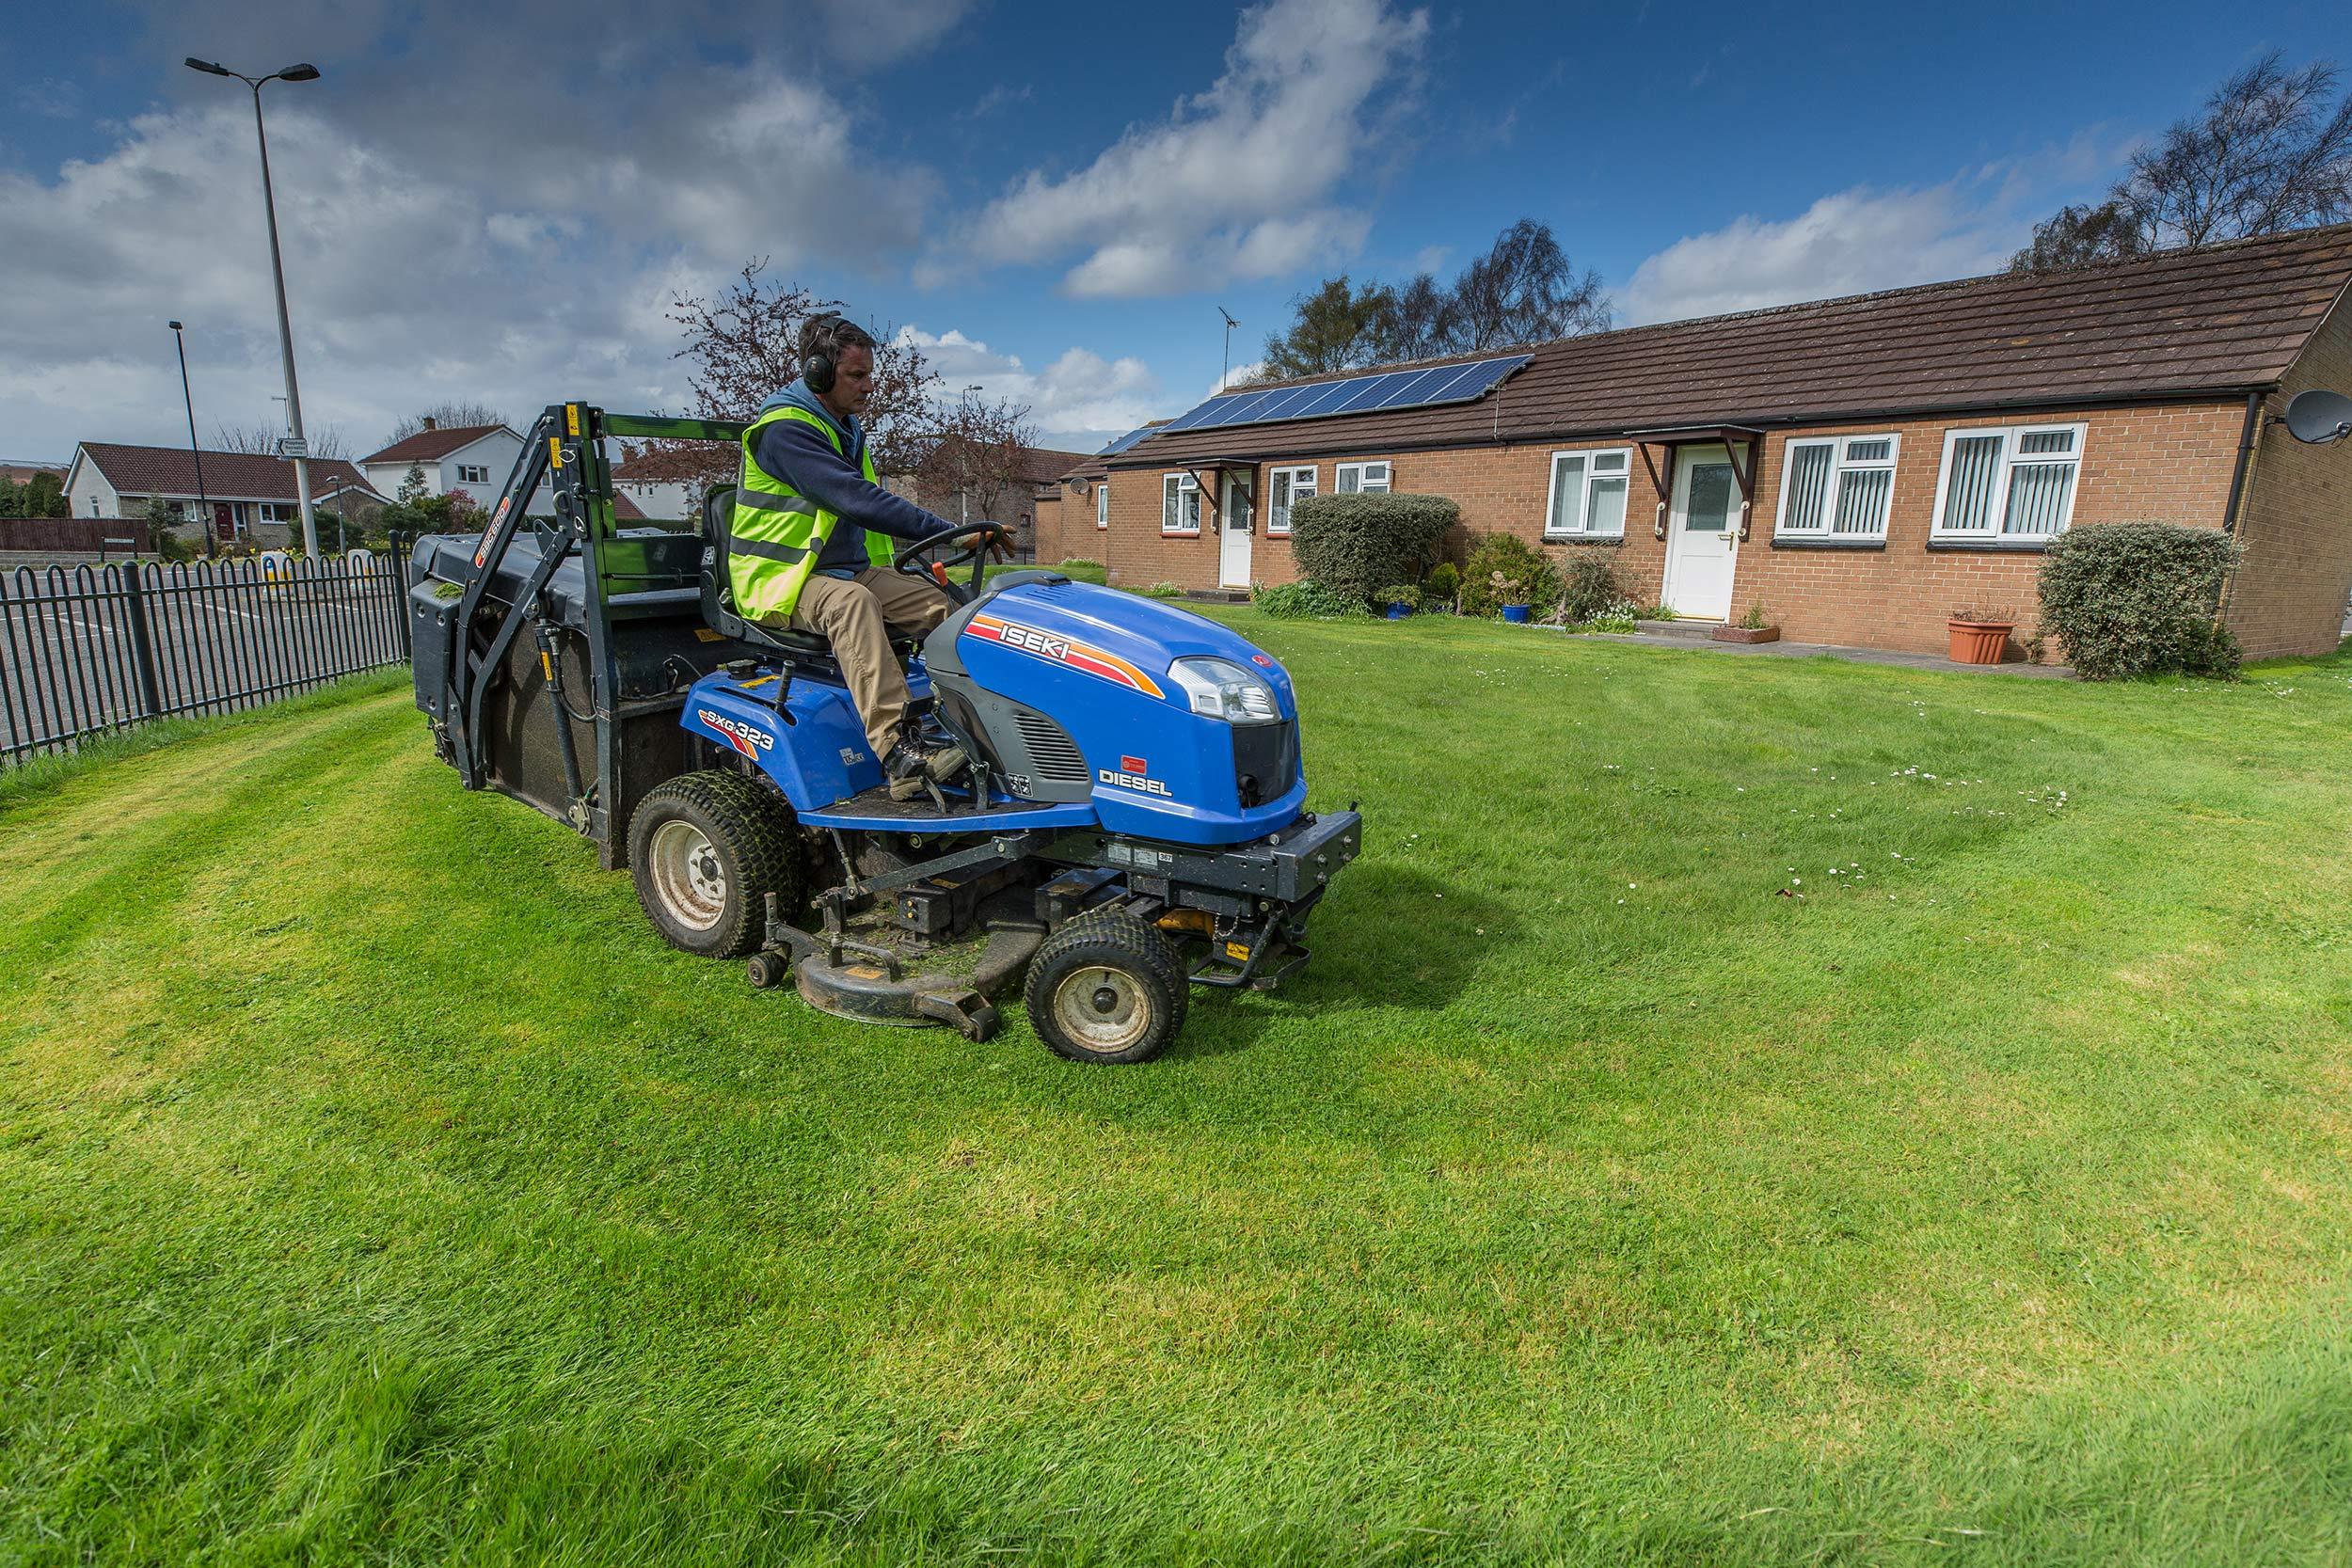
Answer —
916 763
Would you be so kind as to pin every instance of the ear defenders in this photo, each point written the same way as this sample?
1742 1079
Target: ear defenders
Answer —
818 369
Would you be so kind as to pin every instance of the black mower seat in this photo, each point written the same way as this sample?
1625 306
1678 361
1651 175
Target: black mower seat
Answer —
719 610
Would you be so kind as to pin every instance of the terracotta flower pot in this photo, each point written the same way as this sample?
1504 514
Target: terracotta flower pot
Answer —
1979 641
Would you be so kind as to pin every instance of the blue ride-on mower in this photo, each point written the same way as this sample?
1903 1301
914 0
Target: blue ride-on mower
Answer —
1133 823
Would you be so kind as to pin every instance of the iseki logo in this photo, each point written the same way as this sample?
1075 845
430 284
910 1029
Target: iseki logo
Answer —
743 737
1036 642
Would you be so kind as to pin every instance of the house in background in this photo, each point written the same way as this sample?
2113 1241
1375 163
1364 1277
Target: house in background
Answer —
251 496
1858 468
22 474
1084 516
1012 501
662 500
474 458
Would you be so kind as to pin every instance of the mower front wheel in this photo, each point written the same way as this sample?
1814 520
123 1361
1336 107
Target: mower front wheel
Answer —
1107 988
705 849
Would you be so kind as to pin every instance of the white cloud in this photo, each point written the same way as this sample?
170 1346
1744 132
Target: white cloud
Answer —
439 242
1078 402
1859 240
864 33
1238 181
1852 242
1234 377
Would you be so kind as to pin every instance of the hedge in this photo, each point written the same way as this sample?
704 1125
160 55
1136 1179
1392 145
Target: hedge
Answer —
2138 599
1356 545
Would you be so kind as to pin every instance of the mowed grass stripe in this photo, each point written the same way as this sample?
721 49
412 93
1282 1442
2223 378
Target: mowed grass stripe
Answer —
374 1183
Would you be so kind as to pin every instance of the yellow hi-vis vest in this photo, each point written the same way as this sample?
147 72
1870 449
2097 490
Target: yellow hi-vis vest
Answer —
777 534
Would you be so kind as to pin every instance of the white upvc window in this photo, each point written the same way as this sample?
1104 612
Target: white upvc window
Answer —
1101 503
468 475
1180 504
1587 498
1286 488
1366 478
2014 482
278 512
1837 486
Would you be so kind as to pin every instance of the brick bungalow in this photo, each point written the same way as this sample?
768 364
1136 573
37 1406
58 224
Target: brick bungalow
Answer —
1084 514
1028 502
1860 467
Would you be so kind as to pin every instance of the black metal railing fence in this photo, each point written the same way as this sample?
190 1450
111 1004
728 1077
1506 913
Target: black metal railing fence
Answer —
88 649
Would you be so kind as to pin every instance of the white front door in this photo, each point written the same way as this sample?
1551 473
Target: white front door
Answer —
1702 534
1232 547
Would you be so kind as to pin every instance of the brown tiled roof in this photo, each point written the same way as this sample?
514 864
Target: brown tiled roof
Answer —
626 509
227 475
428 444
1045 465
2228 319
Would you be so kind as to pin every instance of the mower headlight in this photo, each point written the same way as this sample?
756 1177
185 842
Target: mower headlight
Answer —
1219 689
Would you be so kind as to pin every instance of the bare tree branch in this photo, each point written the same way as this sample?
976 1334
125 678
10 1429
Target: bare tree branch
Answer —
261 441
446 415
1524 289
744 347
2266 155
979 459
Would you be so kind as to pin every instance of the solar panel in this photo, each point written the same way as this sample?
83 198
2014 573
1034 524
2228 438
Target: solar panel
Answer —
1355 394
1414 387
1128 440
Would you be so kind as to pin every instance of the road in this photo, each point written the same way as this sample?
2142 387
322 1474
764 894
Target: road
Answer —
221 639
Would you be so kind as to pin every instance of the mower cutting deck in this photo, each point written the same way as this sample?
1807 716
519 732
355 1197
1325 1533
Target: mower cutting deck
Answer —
1133 823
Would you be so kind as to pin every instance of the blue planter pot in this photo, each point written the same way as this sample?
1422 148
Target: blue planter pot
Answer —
1398 611
1515 614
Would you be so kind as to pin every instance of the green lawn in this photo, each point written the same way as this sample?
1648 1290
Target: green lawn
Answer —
1741 1110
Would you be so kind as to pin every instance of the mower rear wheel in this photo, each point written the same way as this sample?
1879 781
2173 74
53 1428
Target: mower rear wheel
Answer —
705 849
1107 988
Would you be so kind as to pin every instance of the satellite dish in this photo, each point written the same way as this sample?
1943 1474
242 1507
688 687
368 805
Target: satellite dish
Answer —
2319 416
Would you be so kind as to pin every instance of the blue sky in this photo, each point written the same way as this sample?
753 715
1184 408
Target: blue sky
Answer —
497 203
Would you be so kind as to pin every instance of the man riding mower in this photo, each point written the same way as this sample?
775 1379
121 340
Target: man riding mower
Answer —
806 470
1130 820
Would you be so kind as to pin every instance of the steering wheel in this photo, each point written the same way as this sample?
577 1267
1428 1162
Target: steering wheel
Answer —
988 538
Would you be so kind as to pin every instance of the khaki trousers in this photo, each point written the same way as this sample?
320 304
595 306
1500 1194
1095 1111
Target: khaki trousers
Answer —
858 618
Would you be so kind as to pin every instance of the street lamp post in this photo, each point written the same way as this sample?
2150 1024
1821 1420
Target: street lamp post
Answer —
278 270
203 503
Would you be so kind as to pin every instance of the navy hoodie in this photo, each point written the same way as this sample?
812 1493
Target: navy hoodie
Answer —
798 454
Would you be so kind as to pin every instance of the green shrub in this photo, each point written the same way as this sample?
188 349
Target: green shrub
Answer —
1506 569
1082 561
1293 601
1587 586
1442 585
1405 594
1354 544
1165 590
2138 599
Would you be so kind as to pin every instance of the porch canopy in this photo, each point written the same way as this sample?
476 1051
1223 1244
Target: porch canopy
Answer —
1733 439
1209 473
